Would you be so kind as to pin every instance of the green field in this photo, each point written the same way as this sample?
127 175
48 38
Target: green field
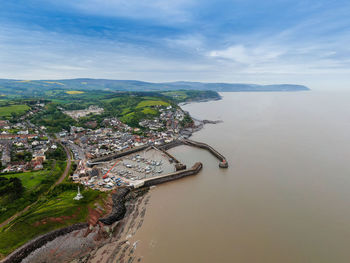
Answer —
54 211
6 111
177 95
191 95
148 103
149 111
30 180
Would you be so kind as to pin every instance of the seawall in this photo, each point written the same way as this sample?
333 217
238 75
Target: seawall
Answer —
119 209
19 254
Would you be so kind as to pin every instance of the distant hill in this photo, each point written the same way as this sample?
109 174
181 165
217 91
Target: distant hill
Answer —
38 87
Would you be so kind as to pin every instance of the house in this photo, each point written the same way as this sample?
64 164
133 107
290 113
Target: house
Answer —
3 124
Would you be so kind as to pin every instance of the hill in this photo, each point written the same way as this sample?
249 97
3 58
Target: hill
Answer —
9 87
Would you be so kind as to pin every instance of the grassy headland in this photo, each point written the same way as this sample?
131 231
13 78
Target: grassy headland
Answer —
53 211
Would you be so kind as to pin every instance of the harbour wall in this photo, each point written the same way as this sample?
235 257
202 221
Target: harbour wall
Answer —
223 162
170 145
116 155
168 154
113 156
173 176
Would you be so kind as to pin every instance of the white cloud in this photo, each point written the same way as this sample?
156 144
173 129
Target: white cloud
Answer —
244 55
285 57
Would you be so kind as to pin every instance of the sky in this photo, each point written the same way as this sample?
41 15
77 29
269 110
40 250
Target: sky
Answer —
236 41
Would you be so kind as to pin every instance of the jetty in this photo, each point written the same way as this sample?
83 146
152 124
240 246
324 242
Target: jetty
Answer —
223 162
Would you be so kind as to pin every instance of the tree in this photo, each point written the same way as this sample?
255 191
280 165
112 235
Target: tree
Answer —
12 187
57 154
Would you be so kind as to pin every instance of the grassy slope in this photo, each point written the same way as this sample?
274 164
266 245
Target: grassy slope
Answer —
149 111
55 211
148 103
191 95
30 180
40 183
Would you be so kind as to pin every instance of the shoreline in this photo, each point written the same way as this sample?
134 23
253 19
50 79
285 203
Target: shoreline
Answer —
120 213
99 243
200 101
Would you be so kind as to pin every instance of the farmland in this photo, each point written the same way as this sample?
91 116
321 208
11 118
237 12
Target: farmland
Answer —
74 92
7 111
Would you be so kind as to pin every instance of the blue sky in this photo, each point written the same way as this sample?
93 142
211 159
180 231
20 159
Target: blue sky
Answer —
251 41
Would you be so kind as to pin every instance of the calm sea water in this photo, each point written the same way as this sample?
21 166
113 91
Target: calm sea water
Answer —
285 197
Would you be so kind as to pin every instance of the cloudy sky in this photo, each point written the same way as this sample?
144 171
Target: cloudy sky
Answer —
252 41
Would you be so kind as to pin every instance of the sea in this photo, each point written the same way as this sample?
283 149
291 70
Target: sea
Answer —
284 198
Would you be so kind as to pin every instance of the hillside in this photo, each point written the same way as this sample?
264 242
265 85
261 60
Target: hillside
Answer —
10 87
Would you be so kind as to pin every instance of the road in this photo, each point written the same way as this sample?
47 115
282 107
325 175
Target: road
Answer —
78 150
69 163
60 180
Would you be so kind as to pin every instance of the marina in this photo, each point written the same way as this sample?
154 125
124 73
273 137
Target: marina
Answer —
137 167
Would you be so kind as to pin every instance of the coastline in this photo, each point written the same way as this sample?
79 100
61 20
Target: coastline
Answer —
93 238
99 243
200 101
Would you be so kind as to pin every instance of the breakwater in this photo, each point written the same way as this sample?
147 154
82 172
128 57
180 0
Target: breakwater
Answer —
168 154
223 162
173 176
19 254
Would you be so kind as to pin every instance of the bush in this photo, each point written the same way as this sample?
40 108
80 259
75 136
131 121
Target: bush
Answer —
57 154
12 187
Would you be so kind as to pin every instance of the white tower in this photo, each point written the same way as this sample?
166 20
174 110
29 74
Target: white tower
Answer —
79 195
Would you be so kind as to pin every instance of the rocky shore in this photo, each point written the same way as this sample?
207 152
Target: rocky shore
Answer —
119 209
102 242
22 252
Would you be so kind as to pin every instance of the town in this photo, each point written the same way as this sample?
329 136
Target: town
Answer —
25 147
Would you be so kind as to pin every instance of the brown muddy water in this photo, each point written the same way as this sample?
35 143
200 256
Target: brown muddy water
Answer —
284 198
